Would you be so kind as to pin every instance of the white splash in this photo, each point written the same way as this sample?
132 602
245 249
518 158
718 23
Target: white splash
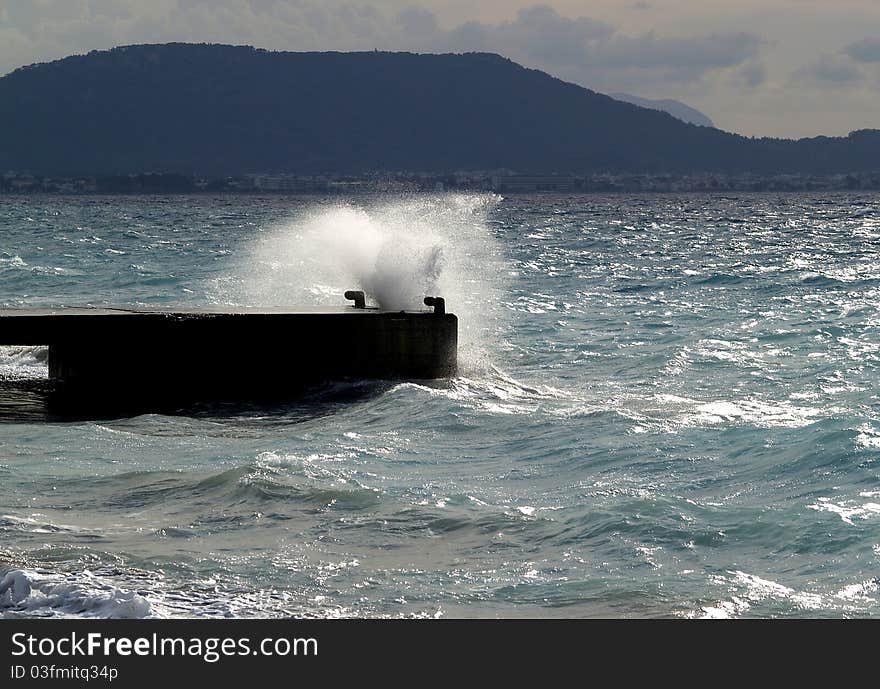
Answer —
397 251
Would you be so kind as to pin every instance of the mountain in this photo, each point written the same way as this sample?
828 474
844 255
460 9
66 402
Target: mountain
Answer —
218 110
677 109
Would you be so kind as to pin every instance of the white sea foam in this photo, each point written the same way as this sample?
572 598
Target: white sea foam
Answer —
761 413
11 261
860 592
495 392
868 437
749 589
847 510
23 362
27 592
725 610
755 412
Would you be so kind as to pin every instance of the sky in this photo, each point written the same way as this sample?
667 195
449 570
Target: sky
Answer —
784 68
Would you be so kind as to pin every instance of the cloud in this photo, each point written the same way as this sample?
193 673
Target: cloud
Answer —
585 48
581 49
57 28
597 54
849 67
417 21
698 53
830 70
538 34
641 6
751 74
866 50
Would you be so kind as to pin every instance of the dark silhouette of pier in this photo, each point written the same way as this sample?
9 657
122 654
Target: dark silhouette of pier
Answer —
128 358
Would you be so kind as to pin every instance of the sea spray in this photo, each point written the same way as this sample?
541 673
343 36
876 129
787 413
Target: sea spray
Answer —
397 251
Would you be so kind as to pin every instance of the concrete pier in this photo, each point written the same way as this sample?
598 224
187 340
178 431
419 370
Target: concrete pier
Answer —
226 355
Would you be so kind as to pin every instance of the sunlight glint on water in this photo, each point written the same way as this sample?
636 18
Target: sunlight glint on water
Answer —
668 407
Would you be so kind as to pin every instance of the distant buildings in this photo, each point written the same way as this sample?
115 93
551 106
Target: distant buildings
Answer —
531 183
288 183
403 182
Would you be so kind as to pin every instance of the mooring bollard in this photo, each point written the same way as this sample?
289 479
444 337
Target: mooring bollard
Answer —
439 304
360 301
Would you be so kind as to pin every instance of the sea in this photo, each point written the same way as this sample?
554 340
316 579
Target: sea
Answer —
666 407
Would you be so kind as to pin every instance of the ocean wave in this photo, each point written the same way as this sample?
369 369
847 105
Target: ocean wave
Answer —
30 524
30 593
654 415
721 279
291 481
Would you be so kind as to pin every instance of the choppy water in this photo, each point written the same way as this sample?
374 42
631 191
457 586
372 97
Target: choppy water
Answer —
667 407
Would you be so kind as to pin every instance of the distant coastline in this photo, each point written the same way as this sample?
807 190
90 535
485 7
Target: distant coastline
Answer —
506 182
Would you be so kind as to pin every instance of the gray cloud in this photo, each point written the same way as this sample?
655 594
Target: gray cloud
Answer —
538 34
417 21
710 67
751 74
22 15
866 50
111 9
588 51
830 70
700 53
595 53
